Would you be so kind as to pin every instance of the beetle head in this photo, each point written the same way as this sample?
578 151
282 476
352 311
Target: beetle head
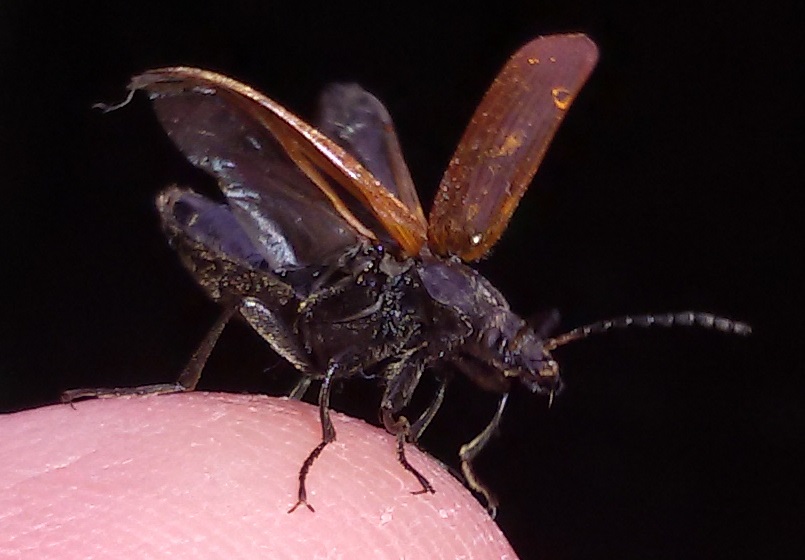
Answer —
520 352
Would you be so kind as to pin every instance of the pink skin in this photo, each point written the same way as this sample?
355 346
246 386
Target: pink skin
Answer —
200 475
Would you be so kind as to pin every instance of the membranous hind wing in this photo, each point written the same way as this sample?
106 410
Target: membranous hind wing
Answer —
276 171
289 221
361 124
505 143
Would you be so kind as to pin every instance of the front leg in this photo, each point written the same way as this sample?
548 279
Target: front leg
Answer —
470 450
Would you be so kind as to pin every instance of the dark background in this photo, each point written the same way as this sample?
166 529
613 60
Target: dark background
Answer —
671 185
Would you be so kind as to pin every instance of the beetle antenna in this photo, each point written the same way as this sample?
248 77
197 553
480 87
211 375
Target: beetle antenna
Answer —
680 319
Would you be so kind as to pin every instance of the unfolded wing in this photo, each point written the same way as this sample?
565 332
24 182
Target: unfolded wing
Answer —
361 124
274 169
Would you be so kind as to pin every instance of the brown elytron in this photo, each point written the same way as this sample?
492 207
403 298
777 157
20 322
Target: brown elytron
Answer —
322 246
505 143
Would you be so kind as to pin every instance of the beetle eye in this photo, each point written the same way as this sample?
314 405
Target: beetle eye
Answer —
550 369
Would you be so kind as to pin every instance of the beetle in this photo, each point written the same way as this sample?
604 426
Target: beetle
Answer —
322 246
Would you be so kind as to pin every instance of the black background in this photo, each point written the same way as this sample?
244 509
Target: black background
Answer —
671 185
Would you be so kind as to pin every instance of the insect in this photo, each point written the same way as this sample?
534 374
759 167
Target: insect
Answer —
322 246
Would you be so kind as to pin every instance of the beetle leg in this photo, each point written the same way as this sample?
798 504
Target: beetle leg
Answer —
422 423
191 373
364 313
277 333
300 388
327 433
401 428
470 450
187 381
319 295
403 378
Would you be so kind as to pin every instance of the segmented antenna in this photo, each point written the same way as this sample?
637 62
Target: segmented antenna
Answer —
680 319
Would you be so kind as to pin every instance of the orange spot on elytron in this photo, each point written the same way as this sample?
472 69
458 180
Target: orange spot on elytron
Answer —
533 61
472 211
561 97
510 145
